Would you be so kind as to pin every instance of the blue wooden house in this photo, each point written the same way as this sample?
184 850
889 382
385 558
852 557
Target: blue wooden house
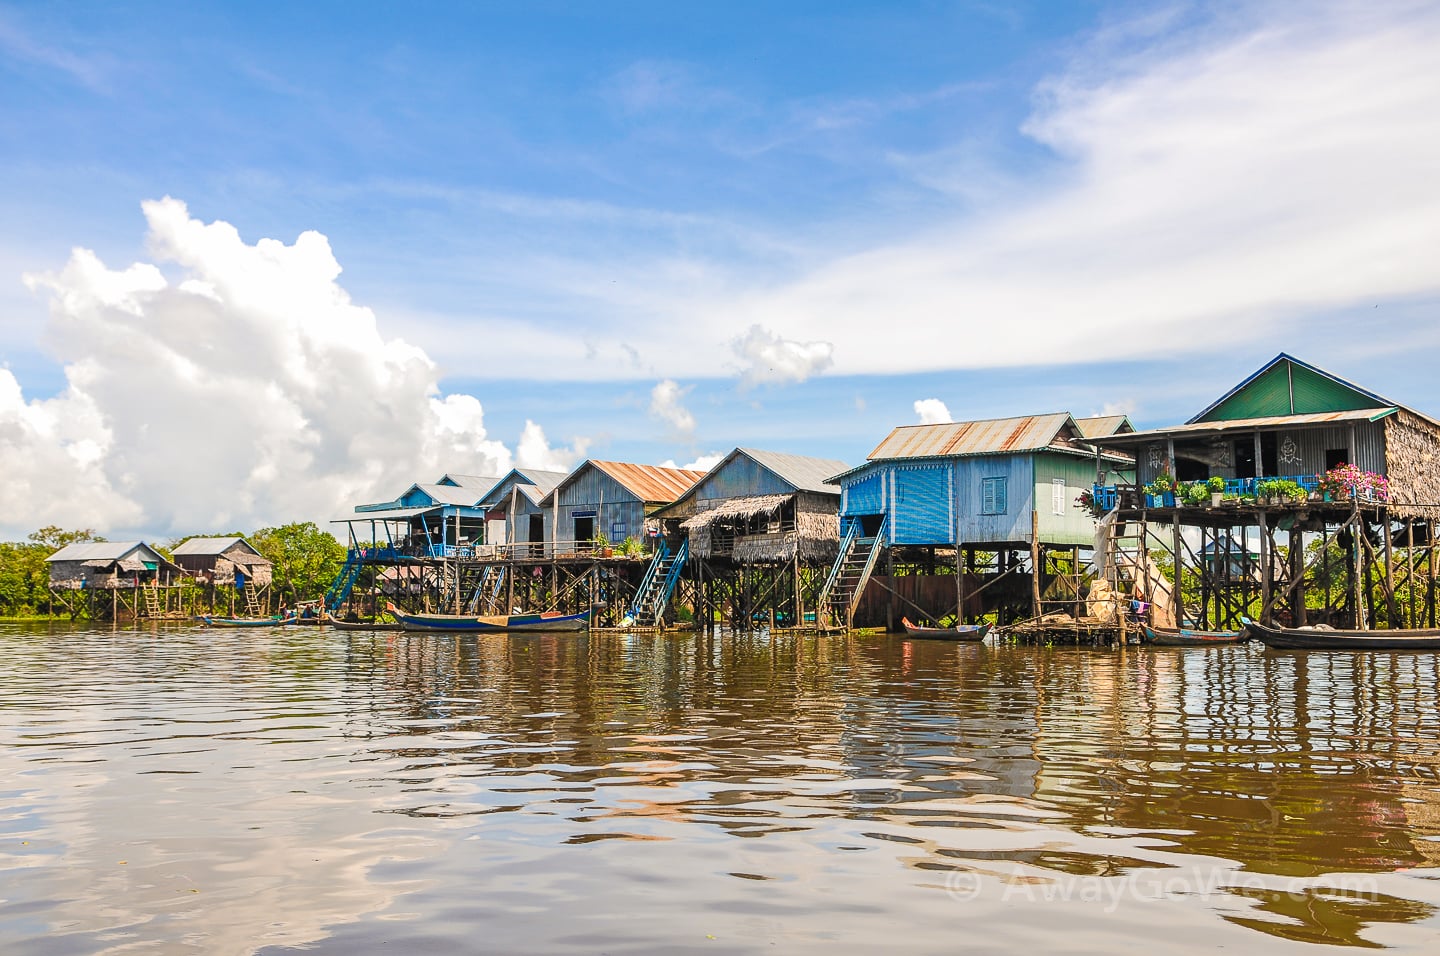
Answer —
998 486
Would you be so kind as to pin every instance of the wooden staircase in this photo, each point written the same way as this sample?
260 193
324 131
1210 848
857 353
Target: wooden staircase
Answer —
851 572
653 595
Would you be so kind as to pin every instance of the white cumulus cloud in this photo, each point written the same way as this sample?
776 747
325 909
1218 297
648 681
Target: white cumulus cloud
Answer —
246 390
769 359
702 463
932 411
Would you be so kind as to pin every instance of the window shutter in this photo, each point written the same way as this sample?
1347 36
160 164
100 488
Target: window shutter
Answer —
1057 495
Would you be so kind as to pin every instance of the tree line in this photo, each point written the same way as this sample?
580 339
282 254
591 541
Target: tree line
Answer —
305 561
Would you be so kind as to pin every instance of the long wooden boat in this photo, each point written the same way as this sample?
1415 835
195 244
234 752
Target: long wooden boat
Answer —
960 632
1187 637
336 622
467 623
1324 639
212 621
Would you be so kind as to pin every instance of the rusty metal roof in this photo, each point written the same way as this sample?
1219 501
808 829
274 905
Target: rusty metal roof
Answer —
960 439
1248 424
1100 426
649 483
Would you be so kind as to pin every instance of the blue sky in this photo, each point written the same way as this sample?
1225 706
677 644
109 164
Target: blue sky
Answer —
652 232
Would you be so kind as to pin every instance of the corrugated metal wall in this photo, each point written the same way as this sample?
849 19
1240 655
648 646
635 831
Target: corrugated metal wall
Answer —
922 504
619 513
1303 455
1014 525
741 477
865 496
1074 525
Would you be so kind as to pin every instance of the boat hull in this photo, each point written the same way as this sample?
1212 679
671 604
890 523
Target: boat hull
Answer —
960 632
497 623
243 621
364 625
1184 637
1304 639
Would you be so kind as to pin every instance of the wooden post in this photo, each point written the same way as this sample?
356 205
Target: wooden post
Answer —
1034 563
1357 569
960 584
1410 564
1390 609
1297 577
1177 600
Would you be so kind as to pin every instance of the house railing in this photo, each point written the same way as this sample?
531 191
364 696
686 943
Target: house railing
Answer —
1105 497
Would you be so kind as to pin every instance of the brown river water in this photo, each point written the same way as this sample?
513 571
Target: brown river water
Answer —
301 789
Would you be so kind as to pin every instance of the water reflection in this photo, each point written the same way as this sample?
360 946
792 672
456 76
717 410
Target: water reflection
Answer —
795 790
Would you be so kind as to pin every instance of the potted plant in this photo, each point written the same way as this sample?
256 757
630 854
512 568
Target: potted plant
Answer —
632 547
1216 485
602 544
1161 491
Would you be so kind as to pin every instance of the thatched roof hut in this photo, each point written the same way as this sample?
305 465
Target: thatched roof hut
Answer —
758 507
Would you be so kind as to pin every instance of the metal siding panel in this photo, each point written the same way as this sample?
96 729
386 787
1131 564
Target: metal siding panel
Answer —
742 478
922 506
864 497
1014 525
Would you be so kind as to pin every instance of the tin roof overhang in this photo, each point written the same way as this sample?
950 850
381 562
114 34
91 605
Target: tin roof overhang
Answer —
1207 429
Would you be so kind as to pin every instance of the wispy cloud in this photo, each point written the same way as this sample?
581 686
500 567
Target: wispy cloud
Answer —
18 44
666 407
1230 179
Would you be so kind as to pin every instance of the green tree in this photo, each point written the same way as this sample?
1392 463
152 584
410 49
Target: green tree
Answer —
306 560
55 538
24 575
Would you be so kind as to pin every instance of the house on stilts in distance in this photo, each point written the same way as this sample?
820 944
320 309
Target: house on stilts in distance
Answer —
228 566
752 538
964 519
111 580
1332 488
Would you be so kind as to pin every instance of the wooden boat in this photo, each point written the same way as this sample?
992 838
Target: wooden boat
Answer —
960 632
336 622
212 621
1324 639
1186 637
470 623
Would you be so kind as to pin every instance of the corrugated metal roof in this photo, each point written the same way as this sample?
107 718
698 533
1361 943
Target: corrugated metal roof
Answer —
529 480
477 482
1101 425
649 483
207 546
1273 421
98 551
802 471
391 514
961 439
451 495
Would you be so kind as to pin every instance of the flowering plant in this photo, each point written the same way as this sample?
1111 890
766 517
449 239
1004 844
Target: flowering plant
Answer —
1087 501
1349 481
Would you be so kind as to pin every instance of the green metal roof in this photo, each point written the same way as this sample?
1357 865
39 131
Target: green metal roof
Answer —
1288 386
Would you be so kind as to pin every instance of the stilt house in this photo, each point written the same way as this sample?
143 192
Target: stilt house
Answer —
758 507
608 501
224 561
110 564
428 520
997 486
1291 420
513 504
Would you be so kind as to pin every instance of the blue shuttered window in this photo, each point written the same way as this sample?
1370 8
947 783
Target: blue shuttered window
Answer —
993 496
